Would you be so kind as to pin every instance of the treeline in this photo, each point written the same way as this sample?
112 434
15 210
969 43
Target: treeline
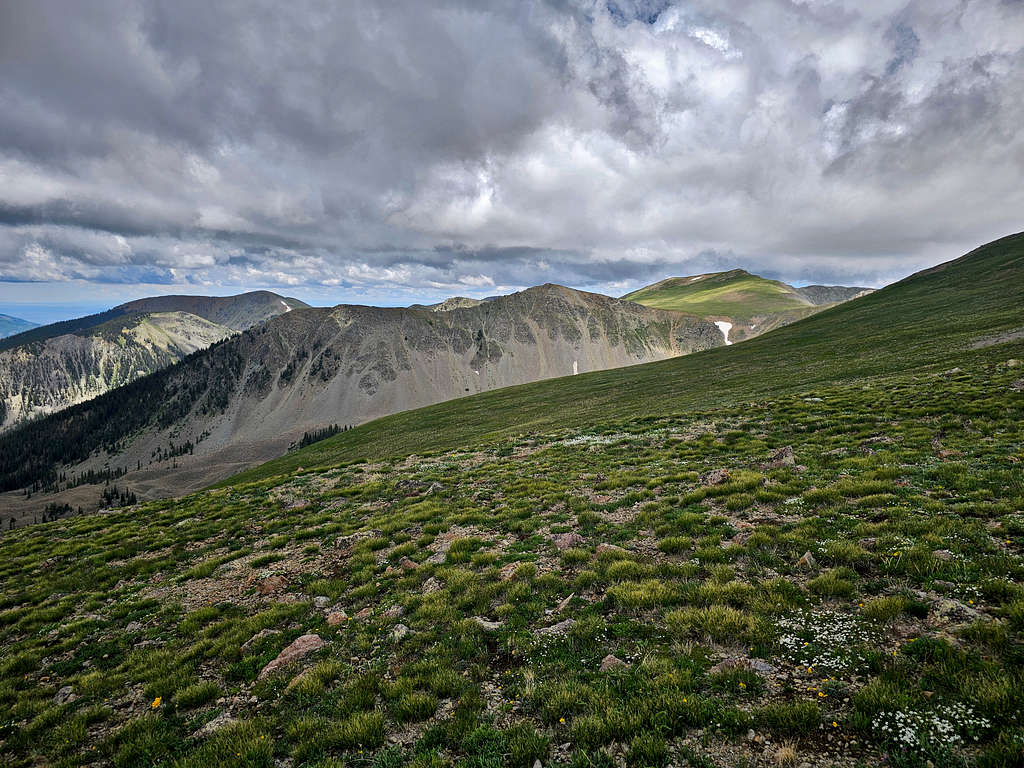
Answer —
163 454
205 380
308 438
56 511
113 497
89 477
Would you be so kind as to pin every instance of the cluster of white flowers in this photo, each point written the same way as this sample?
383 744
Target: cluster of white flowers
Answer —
947 725
826 639
897 543
594 439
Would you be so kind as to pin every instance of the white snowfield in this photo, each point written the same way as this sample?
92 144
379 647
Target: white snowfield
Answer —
724 327
285 305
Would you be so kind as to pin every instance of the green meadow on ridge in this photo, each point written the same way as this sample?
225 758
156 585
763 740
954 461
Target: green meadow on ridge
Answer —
801 549
732 293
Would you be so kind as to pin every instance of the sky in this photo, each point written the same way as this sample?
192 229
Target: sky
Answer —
405 151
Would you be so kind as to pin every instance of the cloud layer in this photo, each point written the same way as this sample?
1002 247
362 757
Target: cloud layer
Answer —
417 149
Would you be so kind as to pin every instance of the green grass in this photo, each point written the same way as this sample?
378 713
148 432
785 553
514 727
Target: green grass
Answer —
736 294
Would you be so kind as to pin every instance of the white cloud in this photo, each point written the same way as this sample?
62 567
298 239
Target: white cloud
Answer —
420 145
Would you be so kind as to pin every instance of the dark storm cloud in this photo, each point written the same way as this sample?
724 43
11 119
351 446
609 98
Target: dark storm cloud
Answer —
460 146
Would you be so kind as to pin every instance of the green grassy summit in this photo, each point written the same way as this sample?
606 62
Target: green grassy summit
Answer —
736 294
808 548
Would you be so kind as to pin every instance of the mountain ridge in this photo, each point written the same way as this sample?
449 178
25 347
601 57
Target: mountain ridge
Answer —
246 398
54 366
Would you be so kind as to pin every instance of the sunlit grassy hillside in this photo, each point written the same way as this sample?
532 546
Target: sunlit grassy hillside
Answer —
736 294
929 320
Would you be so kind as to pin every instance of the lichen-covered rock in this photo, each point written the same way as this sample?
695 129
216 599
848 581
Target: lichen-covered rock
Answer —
272 585
300 647
807 562
612 662
567 540
555 630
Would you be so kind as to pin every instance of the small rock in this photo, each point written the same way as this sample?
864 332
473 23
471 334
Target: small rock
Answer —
321 601
537 764
133 626
487 625
431 585
609 548
259 636
65 695
567 540
365 613
612 662
807 562
409 484
272 585
400 632
715 477
943 554
751 735
221 720
563 604
762 667
508 570
408 565
947 608
300 647
783 457
731 664
334 618
394 612
557 629
944 586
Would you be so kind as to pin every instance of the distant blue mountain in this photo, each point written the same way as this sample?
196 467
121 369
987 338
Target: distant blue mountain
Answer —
12 325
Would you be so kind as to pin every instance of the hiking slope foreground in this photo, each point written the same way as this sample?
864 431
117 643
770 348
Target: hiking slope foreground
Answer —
802 549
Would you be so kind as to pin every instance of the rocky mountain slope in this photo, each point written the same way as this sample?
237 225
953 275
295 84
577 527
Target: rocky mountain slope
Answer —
10 325
742 304
246 399
52 367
